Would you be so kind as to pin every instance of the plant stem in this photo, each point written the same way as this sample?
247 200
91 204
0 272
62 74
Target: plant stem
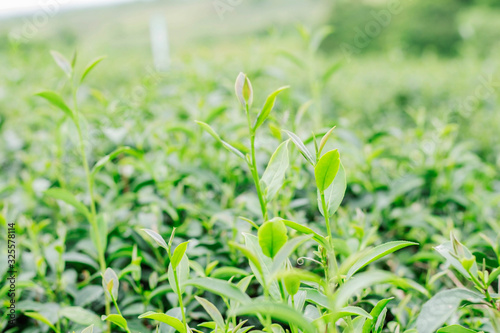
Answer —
253 167
179 296
90 186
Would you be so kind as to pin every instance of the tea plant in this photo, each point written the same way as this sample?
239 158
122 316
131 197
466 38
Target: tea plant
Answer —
284 299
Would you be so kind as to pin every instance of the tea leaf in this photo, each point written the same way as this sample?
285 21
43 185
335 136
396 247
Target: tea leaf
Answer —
436 311
324 139
220 287
80 316
286 251
212 312
272 236
90 66
116 319
56 100
377 253
216 136
292 284
344 312
126 150
67 197
182 271
157 238
334 194
274 175
243 89
326 169
178 254
278 311
166 319
455 329
62 62
110 279
302 148
376 311
305 230
43 319
266 109
493 276
446 250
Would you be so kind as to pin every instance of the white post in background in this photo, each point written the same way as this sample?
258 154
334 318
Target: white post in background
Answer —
159 42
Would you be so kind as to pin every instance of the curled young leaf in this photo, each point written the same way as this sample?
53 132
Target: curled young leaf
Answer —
244 91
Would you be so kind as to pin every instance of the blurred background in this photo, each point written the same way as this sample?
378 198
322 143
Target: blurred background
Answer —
411 85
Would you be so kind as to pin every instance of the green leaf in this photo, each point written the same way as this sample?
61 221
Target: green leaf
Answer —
455 329
326 169
56 100
493 276
330 71
243 90
62 62
252 258
301 147
325 139
305 230
446 250
274 175
157 238
286 251
166 319
91 66
227 272
436 311
344 312
80 316
116 319
292 284
272 236
67 197
182 271
178 254
367 279
43 319
278 311
89 329
100 164
110 281
73 59
268 106
212 312
216 136
252 243
377 253
318 37
375 313
334 194
220 287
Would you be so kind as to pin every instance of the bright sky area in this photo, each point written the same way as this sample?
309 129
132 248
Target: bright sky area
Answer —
21 7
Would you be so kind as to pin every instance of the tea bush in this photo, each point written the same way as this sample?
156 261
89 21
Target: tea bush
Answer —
182 201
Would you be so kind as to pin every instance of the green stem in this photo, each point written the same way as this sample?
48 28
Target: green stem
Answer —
179 296
253 167
90 186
